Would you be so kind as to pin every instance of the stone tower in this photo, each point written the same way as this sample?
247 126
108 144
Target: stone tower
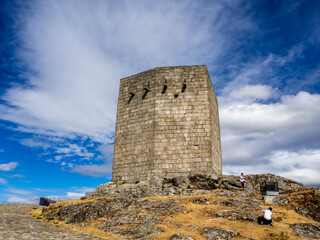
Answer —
167 125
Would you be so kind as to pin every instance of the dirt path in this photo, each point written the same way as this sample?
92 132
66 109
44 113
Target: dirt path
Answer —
16 224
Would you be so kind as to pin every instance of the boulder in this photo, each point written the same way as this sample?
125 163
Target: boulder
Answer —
179 236
83 212
193 228
240 216
201 200
214 233
309 206
141 231
129 191
207 182
307 230
224 214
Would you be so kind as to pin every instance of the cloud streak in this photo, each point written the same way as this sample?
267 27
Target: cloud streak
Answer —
27 197
3 181
8 166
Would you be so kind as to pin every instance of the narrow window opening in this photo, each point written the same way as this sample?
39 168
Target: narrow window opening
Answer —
184 86
145 93
164 89
176 95
131 97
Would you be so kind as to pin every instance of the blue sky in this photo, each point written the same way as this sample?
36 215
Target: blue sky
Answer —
61 62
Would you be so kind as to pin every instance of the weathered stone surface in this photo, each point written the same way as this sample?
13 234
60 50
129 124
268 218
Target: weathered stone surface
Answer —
237 216
167 125
213 233
233 193
117 214
230 182
201 200
114 224
187 185
205 181
240 216
225 193
285 185
241 204
82 212
124 190
309 206
276 200
193 184
141 231
180 236
16 224
307 230
224 214
193 228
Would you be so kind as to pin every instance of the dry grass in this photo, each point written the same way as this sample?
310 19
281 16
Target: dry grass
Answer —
199 215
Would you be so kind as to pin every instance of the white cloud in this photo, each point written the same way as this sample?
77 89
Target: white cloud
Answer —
76 193
279 137
26 196
261 71
18 191
94 170
75 57
301 166
3 181
16 176
82 189
15 199
8 166
253 92
106 151
34 143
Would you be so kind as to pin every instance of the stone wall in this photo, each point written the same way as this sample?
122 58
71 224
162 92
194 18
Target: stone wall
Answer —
167 125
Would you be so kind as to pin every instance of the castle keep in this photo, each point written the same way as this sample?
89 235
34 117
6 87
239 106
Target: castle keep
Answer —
167 125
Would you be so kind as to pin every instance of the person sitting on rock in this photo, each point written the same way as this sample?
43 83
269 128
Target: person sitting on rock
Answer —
266 218
243 180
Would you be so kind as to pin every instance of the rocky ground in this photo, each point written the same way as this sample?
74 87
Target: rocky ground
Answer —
192 207
16 224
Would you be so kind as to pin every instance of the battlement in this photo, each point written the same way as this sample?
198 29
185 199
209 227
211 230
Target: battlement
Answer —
167 125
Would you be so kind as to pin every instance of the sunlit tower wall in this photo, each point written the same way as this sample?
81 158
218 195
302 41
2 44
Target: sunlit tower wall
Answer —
167 125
